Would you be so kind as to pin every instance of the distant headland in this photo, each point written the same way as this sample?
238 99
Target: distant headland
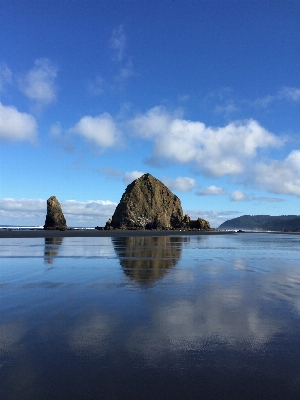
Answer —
282 223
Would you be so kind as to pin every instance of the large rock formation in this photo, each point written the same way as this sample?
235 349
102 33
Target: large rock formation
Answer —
148 204
55 219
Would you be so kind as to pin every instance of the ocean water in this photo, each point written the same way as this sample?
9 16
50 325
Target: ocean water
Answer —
191 317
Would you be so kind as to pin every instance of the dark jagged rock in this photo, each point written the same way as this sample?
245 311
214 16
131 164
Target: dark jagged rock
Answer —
55 219
148 204
199 224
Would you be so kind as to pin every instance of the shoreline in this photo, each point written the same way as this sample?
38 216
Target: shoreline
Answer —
41 233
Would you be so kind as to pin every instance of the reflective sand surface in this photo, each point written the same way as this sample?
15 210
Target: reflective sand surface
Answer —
208 317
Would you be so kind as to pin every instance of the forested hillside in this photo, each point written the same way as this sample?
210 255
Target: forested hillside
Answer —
263 222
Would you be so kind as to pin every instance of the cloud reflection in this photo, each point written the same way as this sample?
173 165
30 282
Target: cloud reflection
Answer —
92 335
216 317
11 335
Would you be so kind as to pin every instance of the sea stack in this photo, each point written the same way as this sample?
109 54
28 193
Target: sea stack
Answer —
55 219
147 204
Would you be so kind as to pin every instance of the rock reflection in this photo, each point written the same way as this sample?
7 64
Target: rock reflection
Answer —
52 246
147 259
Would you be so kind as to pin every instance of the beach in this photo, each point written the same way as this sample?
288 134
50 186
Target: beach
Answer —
40 233
149 314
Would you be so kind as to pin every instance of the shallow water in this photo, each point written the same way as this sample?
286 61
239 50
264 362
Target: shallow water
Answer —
191 317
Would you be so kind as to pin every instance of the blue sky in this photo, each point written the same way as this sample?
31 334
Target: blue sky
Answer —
204 95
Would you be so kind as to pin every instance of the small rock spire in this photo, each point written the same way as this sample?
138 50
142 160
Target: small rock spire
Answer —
55 219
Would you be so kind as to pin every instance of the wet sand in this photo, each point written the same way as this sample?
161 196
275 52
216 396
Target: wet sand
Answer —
199 317
37 233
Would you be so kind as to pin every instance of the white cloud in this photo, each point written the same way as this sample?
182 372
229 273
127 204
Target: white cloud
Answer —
92 210
59 138
96 87
182 184
289 93
5 75
118 43
215 218
238 195
280 176
152 124
131 176
211 190
216 151
122 60
286 93
183 98
126 71
22 205
111 172
15 125
100 130
265 101
269 199
38 84
27 212
228 108
121 67
56 130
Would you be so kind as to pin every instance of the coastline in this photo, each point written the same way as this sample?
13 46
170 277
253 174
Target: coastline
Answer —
41 233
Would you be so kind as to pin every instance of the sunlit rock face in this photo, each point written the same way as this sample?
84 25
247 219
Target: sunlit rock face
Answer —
55 219
147 204
147 259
